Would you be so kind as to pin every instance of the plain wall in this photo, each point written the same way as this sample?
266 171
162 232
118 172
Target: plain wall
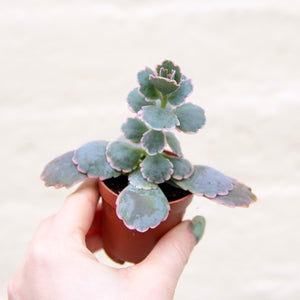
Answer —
66 68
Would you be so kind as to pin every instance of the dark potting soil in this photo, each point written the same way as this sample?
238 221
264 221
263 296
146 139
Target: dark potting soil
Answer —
117 184
171 192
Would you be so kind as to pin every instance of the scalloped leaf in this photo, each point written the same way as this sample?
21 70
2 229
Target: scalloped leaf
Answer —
170 67
134 129
153 142
164 85
136 101
62 172
182 167
136 179
157 168
190 116
146 87
142 209
207 182
158 118
240 196
179 96
123 156
174 143
91 159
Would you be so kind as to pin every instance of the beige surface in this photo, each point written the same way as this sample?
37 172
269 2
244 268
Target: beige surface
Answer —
65 70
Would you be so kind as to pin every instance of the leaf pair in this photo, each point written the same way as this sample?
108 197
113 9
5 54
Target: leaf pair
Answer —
212 184
165 81
157 168
72 167
137 132
153 141
160 168
187 118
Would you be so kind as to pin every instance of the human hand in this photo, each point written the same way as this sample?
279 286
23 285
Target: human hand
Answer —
60 265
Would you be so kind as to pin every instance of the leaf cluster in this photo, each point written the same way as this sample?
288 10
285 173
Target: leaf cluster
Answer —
160 107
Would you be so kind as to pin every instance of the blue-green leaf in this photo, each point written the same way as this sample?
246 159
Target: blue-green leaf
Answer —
153 142
182 167
142 209
146 87
62 172
158 118
240 196
164 85
179 96
190 116
91 159
123 156
168 69
206 181
136 101
136 179
156 168
134 129
173 142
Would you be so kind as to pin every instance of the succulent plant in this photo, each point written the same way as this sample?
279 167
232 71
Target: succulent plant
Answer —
160 107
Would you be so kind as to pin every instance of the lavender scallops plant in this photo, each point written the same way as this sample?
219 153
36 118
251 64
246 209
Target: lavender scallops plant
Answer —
160 106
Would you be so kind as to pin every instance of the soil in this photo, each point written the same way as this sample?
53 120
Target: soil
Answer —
171 192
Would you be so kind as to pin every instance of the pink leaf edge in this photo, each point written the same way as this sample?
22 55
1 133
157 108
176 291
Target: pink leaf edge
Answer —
132 227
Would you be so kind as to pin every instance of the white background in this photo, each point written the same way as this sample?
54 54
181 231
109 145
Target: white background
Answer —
66 68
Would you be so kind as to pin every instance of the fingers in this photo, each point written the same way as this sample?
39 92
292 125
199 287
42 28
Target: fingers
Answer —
78 210
170 255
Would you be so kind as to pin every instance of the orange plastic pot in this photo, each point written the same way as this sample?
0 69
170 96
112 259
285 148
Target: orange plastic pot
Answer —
122 244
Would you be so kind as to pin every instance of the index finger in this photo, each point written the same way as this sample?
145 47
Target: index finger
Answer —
78 210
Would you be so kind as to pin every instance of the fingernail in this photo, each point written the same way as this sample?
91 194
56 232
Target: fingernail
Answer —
198 226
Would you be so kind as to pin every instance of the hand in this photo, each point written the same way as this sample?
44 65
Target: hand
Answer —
60 265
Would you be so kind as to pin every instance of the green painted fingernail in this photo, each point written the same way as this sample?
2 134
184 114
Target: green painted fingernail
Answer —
198 226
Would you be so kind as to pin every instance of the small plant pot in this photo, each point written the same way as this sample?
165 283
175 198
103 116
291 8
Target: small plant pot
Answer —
122 244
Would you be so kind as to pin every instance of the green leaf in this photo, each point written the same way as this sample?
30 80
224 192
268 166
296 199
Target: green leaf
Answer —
156 168
142 209
146 87
164 85
62 172
136 179
136 101
179 96
134 129
91 159
123 156
190 116
170 67
158 118
182 167
173 142
153 142
240 196
207 182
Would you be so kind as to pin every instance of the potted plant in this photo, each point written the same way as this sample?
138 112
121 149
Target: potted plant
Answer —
145 182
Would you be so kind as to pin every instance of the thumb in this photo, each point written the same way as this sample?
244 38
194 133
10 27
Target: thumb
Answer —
170 255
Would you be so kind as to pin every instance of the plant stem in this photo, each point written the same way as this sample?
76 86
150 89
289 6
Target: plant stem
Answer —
164 101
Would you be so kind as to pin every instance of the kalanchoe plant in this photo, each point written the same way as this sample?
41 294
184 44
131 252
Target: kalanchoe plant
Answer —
160 107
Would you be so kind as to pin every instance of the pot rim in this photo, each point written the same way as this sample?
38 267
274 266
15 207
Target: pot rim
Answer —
170 202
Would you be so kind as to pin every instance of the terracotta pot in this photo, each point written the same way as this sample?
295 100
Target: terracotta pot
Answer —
122 244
